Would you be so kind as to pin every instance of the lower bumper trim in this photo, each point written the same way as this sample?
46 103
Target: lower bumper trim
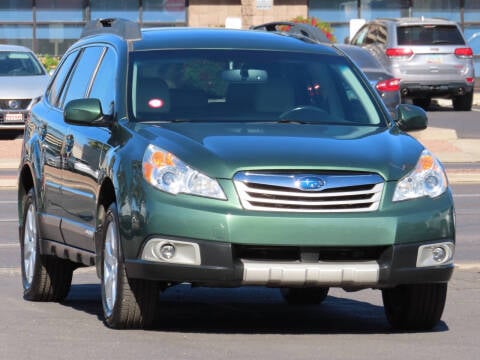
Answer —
310 274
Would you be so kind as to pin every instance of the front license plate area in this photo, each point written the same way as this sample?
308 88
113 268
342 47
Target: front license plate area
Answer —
13 117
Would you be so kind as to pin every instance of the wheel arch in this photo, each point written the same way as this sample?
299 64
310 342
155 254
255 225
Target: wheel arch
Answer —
25 183
106 197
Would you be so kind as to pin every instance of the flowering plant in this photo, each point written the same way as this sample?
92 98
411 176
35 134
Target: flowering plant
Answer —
322 25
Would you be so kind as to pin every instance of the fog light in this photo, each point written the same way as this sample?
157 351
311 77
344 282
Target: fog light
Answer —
167 251
435 254
171 251
439 254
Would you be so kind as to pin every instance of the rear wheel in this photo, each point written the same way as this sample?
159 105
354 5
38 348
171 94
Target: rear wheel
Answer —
127 303
305 296
415 307
422 102
463 103
44 278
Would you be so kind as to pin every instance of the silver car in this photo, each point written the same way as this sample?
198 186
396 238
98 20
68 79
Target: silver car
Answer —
429 56
22 82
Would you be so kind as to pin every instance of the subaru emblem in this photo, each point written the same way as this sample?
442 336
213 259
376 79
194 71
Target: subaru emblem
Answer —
310 183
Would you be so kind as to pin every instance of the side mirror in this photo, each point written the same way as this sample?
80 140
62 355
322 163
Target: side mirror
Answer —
86 112
411 117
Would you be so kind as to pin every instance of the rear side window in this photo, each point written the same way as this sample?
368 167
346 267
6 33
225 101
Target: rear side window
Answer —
56 86
429 35
359 38
82 74
103 87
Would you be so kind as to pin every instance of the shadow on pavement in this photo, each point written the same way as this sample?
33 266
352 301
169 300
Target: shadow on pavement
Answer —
248 310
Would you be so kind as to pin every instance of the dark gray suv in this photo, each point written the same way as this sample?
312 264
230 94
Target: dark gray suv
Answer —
430 56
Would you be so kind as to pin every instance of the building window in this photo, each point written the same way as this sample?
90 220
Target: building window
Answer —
125 9
446 9
16 11
165 11
16 34
55 39
340 12
53 10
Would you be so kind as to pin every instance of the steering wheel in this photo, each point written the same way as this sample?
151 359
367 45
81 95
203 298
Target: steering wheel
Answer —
306 113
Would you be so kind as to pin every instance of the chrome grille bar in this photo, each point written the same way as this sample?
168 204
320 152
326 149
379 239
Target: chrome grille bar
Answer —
282 192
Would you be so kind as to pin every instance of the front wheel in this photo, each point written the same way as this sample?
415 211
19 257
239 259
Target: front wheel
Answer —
127 303
44 278
416 306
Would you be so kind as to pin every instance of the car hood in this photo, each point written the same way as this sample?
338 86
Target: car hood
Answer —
23 87
220 150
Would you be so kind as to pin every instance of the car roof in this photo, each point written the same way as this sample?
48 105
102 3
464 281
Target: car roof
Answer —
418 21
120 31
215 38
357 53
14 48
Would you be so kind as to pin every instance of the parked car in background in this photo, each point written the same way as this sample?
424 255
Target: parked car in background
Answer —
23 80
380 78
429 56
228 158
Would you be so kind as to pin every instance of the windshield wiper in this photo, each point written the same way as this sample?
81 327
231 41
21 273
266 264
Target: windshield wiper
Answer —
287 121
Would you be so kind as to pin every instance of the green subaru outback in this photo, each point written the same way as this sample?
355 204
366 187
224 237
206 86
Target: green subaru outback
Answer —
228 158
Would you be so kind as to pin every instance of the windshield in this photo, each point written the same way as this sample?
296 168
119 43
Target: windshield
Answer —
248 86
19 63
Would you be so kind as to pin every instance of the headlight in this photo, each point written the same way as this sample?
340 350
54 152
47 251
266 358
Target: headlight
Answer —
428 178
168 173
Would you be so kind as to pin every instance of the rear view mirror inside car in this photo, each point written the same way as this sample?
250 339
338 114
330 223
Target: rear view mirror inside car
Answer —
245 75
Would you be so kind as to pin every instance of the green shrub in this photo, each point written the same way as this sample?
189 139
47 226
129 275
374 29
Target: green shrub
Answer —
322 25
49 62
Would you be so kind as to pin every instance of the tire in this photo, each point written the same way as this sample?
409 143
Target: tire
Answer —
422 102
305 296
127 303
414 307
463 103
44 278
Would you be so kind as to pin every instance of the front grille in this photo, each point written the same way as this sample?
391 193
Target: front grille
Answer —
21 104
355 192
309 254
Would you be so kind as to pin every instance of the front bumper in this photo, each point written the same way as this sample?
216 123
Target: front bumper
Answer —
238 247
225 264
14 120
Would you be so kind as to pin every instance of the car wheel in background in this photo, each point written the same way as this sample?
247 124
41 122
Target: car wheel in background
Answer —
463 102
127 303
415 306
305 296
44 278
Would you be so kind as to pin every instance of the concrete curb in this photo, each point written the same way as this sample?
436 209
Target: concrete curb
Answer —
9 164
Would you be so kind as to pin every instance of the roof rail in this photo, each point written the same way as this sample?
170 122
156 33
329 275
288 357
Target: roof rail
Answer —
129 30
304 30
